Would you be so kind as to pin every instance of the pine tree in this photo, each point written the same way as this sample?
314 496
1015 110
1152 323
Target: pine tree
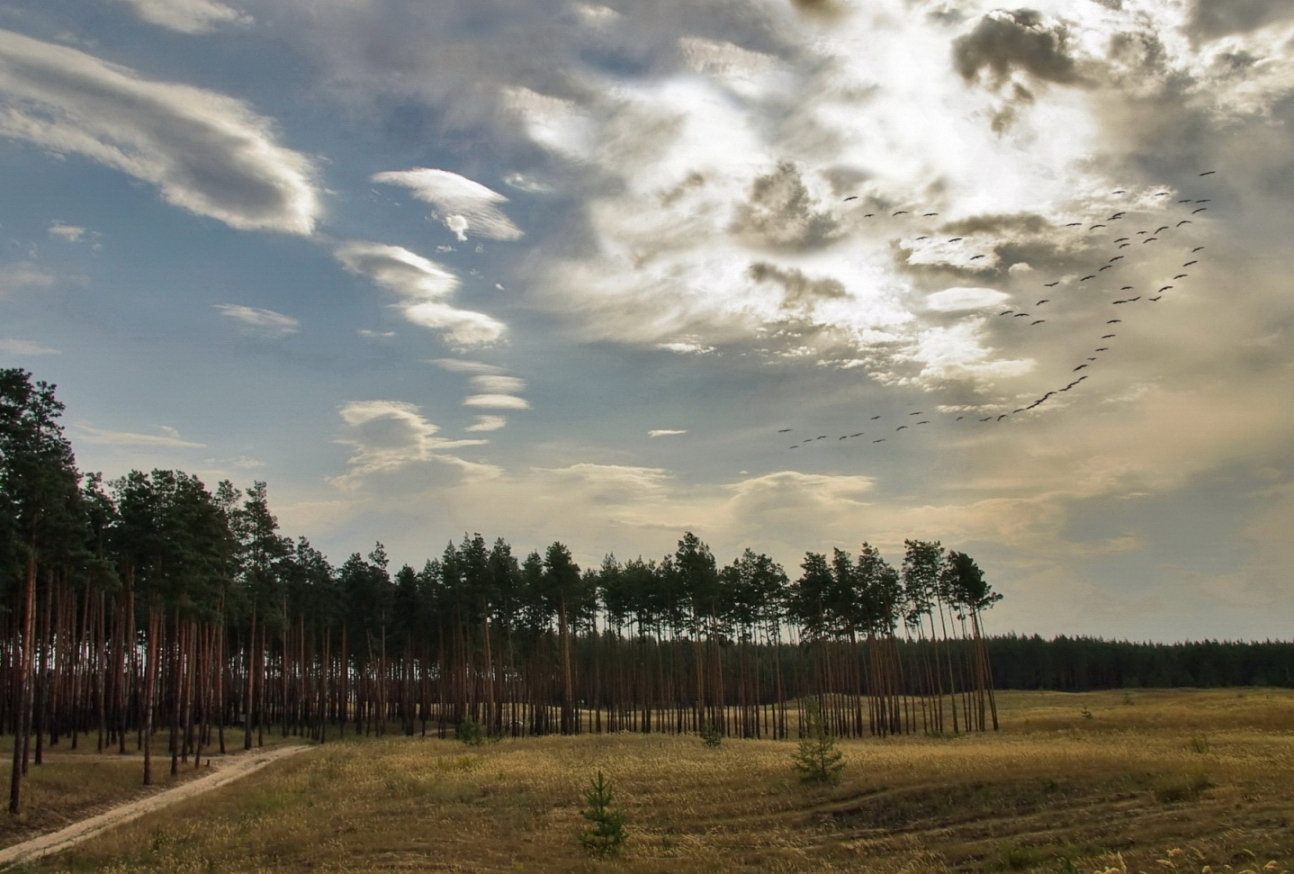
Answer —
817 758
606 834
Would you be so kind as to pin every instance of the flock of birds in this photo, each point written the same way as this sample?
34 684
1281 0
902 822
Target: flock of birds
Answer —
1115 242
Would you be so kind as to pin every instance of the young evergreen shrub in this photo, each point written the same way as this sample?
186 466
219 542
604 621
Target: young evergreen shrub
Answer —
605 835
817 758
710 734
471 732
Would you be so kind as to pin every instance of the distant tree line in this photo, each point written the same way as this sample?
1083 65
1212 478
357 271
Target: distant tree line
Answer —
1082 664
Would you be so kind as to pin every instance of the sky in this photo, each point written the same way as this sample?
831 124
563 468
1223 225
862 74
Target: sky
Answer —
790 274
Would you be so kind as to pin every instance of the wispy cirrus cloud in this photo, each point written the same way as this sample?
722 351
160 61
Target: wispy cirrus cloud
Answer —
422 285
206 152
259 322
666 432
169 438
487 423
11 346
466 207
187 16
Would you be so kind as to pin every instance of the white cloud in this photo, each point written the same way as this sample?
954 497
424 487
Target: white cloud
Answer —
420 283
665 432
459 365
169 438
260 322
462 328
498 384
952 300
11 346
206 152
497 402
463 205
487 423
187 16
70 233
25 274
386 436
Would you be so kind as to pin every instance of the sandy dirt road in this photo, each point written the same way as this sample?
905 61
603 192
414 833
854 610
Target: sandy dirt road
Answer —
225 770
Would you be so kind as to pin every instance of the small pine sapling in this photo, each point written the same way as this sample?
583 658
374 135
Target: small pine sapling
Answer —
606 834
817 758
710 734
471 732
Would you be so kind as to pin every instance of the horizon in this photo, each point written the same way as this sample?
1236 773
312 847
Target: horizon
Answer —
567 272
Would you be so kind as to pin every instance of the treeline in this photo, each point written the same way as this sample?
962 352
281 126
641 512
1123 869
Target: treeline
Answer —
152 604
1082 664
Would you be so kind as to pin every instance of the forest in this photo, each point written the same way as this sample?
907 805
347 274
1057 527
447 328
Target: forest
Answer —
154 611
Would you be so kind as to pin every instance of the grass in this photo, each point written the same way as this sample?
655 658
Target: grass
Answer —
75 784
1124 790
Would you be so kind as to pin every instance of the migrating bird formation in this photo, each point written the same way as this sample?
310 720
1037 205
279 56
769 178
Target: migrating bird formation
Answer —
1116 262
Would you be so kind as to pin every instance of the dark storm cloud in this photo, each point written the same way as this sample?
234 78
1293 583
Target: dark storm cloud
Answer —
1019 39
1214 18
780 214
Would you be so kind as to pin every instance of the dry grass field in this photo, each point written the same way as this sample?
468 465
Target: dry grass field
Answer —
1139 781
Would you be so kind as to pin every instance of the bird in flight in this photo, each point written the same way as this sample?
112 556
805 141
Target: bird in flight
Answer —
928 214
1043 301
783 430
899 212
851 197
1087 277
1051 284
1208 172
1201 209
1031 324
1184 222
1114 321
1189 263
953 239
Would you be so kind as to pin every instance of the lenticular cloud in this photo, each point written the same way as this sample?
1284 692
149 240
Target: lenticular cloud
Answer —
466 207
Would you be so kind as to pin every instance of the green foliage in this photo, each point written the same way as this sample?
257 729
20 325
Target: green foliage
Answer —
471 732
710 734
605 835
817 758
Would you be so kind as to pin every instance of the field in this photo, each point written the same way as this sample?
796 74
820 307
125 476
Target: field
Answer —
1136 781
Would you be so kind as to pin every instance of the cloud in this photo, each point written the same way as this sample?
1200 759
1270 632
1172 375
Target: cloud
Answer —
25 274
1004 40
665 432
70 233
11 346
259 322
187 16
497 402
389 436
1212 20
169 438
420 284
498 384
962 298
464 206
205 152
781 213
487 423
459 365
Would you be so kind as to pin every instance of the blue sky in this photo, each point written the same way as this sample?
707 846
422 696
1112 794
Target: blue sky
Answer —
557 270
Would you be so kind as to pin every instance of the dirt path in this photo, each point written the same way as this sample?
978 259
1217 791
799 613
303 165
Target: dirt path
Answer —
224 770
